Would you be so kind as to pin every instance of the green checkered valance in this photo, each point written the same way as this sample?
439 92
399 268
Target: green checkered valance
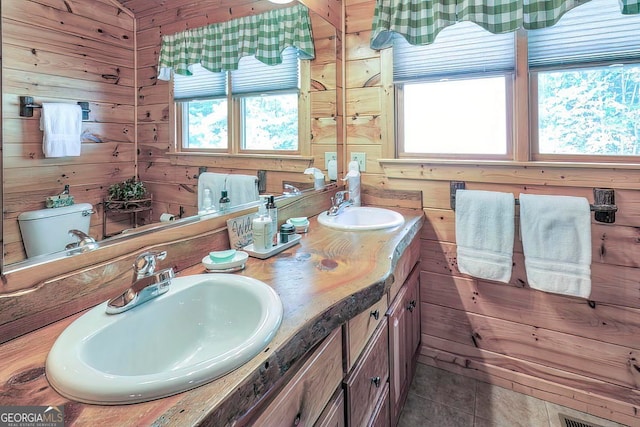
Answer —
420 21
219 47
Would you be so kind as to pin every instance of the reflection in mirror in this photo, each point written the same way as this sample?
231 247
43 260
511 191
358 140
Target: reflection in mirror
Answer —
129 125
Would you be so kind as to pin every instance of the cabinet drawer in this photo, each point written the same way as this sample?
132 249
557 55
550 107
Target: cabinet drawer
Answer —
333 414
304 397
368 380
359 329
382 414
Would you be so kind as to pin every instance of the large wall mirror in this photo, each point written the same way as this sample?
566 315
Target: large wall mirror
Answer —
90 53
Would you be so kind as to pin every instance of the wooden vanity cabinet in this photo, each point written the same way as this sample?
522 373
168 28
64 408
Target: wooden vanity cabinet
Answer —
359 377
303 399
404 340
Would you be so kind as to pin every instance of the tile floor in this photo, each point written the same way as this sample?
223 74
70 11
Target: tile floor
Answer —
438 398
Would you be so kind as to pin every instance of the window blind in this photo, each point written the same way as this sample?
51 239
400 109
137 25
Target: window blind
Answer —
254 77
251 77
590 33
201 84
463 48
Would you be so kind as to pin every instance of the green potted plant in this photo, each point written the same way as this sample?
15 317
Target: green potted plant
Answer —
129 194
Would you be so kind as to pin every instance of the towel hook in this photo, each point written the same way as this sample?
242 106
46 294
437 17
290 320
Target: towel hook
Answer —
604 205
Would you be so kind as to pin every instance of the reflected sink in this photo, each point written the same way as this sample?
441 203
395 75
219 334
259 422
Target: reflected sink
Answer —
204 327
355 218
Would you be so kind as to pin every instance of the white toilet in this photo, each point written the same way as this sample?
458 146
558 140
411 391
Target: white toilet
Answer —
47 230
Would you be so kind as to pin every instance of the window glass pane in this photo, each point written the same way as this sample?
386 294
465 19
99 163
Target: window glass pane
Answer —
206 124
456 116
590 111
270 122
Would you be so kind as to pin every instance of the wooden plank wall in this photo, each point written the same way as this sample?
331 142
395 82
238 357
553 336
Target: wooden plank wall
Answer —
173 179
573 352
60 51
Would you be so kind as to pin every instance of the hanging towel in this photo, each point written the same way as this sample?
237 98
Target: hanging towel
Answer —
242 189
556 239
484 234
62 126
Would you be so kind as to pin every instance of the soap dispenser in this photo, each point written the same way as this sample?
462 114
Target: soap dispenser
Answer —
318 177
353 182
332 169
261 225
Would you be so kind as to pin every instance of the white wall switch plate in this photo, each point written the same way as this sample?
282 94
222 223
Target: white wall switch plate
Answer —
328 156
361 158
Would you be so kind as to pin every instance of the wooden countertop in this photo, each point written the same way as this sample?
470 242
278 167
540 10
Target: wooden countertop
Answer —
325 280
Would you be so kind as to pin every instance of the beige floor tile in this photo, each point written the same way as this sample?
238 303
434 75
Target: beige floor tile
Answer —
445 387
421 412
500 407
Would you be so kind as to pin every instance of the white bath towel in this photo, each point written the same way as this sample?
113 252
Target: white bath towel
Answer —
556 239
62 126
484 234
241 189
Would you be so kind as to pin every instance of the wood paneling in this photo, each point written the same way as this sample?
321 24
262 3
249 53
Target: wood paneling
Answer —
59 52
578 353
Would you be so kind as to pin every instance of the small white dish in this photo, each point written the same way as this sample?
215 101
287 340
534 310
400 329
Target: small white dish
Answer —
298 221
301 224
238 260
222 256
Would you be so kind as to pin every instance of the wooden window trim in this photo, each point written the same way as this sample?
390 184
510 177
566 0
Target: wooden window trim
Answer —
234 131
522 119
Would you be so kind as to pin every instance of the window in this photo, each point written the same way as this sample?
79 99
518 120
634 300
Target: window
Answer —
456 97
587 73
259 113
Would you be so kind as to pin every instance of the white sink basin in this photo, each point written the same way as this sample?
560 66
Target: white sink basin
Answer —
204 327
355 218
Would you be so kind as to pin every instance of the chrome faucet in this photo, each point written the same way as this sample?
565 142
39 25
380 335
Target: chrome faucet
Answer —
146 284
85 243
290 190
339 202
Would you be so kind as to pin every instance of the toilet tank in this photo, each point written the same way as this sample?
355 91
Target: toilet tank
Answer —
47 230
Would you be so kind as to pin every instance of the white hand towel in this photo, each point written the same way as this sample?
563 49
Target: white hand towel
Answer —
242 189
484 234
62 126
556 239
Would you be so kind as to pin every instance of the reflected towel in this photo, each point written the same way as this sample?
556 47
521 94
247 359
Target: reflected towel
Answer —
62 126
556 239
241 189
484 234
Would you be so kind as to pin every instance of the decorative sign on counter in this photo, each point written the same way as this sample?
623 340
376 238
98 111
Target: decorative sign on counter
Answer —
240 231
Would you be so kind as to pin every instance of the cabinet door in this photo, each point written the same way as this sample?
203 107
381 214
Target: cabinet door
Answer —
399 368
412 305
